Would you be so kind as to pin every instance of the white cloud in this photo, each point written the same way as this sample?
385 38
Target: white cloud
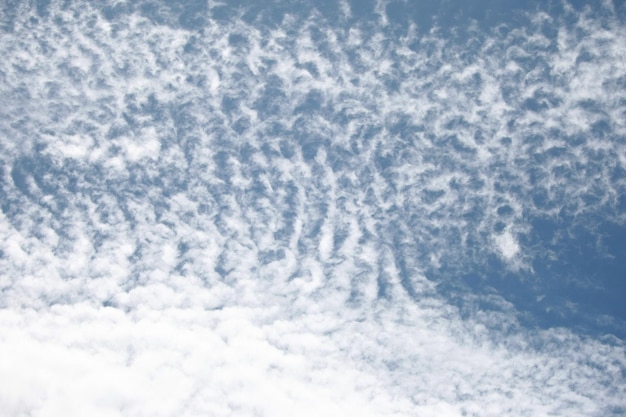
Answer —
180 236
507 245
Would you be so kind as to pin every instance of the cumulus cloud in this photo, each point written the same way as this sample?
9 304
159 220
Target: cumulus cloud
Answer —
507 245
234 216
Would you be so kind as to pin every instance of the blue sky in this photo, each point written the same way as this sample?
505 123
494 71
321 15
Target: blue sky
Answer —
312 208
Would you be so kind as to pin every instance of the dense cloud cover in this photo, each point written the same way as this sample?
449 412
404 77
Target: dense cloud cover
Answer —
231 210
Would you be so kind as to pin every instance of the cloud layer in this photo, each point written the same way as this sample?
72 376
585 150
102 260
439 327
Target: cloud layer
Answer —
209 211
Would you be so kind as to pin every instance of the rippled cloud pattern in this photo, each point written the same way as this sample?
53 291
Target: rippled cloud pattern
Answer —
356 208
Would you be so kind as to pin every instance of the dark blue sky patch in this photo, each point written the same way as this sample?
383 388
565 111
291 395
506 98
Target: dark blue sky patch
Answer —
577 280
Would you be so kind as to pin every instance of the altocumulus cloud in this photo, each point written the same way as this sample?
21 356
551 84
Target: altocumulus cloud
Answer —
225 212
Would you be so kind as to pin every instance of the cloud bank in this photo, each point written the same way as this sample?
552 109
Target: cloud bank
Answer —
215 212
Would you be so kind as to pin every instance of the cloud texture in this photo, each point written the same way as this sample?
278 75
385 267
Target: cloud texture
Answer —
218 211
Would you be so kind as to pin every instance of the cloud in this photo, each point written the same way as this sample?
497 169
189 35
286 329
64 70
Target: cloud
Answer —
240 218
507 245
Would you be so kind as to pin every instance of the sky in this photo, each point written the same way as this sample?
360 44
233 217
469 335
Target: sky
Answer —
312 208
